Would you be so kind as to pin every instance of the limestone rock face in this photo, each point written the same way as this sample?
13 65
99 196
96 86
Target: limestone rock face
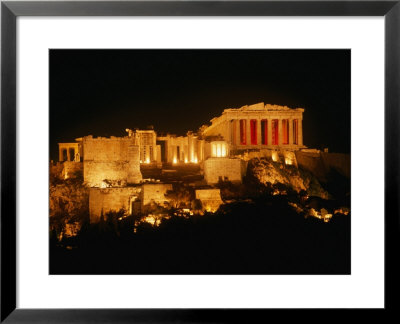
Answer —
267 171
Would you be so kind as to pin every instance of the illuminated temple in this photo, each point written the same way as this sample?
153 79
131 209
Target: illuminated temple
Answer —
250 128
221 150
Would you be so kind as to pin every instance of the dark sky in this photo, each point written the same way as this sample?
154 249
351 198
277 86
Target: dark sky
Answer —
102 92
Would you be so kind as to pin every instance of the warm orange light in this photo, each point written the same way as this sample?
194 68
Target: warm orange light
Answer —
175 161
223 151
219 153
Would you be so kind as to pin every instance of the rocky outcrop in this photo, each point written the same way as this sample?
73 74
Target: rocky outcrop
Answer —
267 171
69 199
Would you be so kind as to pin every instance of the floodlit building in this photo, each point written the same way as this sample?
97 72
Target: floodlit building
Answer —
110 162
258 126
147 142
222 149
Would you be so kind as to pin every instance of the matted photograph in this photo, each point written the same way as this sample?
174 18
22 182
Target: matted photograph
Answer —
200 161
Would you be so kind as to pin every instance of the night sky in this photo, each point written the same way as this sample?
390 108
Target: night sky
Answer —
102 92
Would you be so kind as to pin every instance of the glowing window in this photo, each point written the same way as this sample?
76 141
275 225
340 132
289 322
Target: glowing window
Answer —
219 149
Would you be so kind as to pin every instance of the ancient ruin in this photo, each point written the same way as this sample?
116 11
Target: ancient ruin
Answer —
113 167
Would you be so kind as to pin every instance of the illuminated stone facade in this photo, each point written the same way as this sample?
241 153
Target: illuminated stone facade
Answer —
154 193
224 169
110 161
210 199
147 142
259 126
181 149
221 149
104 200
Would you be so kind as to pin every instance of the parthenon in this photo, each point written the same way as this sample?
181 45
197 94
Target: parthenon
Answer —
259 126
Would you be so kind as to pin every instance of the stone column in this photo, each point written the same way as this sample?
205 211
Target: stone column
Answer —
228 139
290 131
259 141
238 132
190 148
60 154
68 157
280 133
300 131
269 125
248 137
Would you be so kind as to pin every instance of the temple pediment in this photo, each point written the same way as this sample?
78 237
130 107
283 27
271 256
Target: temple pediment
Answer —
257 106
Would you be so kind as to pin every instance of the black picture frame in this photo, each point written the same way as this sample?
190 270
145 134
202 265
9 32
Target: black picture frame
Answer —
10 10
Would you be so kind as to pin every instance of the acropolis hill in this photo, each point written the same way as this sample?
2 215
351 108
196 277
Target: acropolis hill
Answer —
116 168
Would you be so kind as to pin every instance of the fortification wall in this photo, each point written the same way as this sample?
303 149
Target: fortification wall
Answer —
70 169
106 149
65 170
337 161
231 169
114 159
312 162
210 199
111 199
320 163
97 174
154 192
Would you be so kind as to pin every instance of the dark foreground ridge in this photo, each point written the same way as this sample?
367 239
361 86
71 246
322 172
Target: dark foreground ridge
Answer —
264 235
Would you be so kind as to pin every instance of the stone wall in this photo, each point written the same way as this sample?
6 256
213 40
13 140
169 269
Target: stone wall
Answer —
111 199
154 192
337 161
114 159
210 199
70 169
320 163
231 169
312 162
65 170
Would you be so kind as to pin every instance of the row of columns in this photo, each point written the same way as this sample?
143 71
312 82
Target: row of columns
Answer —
235 131
69 157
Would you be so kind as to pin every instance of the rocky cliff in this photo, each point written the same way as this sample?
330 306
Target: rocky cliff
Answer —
267 171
